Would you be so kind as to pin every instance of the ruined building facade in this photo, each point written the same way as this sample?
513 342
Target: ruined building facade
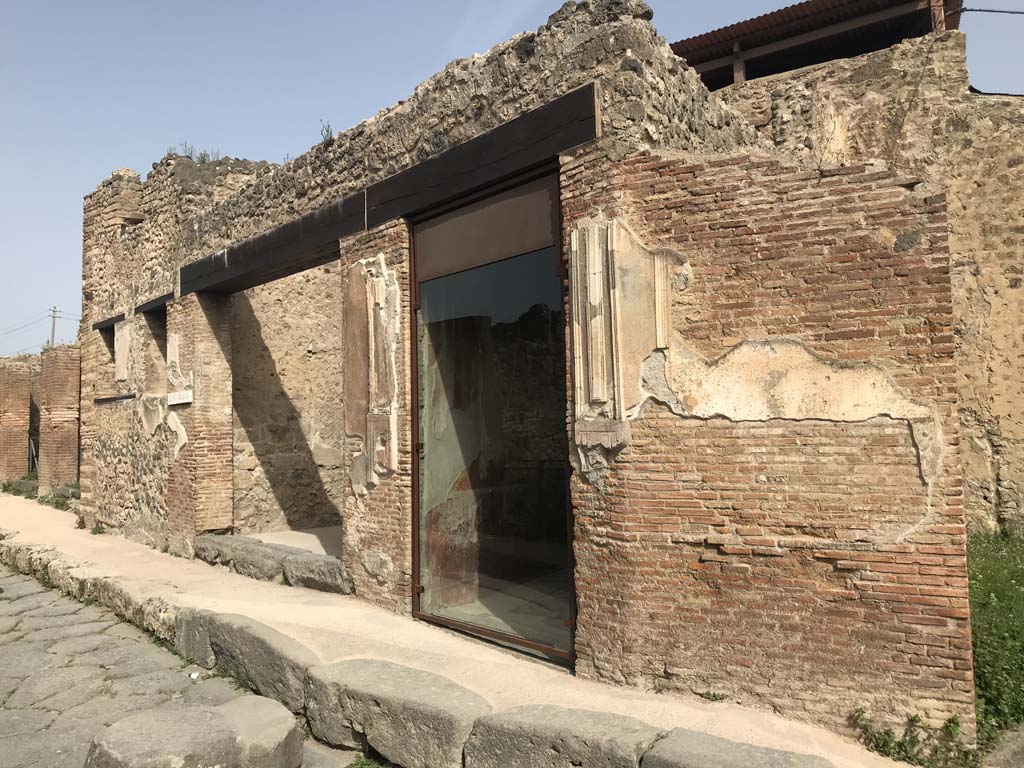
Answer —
692 375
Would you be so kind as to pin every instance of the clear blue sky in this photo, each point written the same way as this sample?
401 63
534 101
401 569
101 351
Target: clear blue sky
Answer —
87 87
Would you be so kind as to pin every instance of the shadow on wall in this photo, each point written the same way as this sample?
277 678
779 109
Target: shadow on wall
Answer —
278 481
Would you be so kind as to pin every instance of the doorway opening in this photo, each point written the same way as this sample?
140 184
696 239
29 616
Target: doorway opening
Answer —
492 506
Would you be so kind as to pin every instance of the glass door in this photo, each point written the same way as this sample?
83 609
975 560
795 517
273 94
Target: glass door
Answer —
493 533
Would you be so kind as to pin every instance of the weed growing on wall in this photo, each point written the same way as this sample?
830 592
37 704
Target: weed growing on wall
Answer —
995 564
917 744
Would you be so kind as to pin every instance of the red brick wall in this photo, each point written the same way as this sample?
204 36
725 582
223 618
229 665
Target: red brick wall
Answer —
199 487
800 564
377 548
59 385
15 405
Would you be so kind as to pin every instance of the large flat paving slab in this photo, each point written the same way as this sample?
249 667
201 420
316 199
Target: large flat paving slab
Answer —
69 670
151 587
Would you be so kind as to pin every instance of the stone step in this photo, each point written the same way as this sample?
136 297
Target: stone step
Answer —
274 562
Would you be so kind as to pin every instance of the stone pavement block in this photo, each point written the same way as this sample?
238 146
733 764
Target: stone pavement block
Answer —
556 737
166 737
268 734
246 557
249 732
320 572
690 749
212 691
273 664
317 755
16 722
413 718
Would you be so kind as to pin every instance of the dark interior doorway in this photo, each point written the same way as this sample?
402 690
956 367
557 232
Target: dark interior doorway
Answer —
492 518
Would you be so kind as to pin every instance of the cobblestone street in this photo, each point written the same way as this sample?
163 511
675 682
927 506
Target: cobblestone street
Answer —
67 670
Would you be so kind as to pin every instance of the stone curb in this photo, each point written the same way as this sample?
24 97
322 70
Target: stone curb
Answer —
276 563
413 718
416 719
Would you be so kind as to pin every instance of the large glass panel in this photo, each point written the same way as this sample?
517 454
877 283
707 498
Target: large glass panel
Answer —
494 548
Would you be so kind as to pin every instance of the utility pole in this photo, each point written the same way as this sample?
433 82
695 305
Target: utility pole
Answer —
53 324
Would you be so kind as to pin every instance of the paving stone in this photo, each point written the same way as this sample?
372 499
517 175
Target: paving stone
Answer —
558 737
320 572
52 748
79 646
120 655
268 734
682 748
73 696
71 630
127 632
171 736
162 681
11 637
12 592
20 606
63 608
317 755
251 731
247 557
275 665
7 686
47 682
107 709
24 659
213 691
414 718
8 623
15 722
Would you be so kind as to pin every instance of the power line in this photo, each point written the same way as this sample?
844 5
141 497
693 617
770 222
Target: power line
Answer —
22 327
985 10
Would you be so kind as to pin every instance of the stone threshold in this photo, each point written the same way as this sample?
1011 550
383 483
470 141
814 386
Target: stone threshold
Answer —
362 677
277 563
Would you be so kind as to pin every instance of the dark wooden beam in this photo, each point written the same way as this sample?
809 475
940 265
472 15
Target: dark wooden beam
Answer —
528 140
524 143
307 242
110 322
818 34
156 303
739 67
938 15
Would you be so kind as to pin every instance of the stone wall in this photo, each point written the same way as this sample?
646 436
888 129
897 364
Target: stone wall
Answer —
288 437
15 415
59 385
776 514
910 106
130 437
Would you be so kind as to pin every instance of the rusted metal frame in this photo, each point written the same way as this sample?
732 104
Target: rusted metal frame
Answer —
818 34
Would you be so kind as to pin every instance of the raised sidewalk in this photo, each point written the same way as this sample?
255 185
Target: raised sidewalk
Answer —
211 614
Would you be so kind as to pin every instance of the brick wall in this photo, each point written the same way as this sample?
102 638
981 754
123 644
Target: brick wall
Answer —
910 106
199 489
377 524
59 386
15 405
813 565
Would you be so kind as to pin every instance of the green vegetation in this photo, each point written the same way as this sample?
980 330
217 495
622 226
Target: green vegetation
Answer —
196 155
57 502
32 476
97 528
14 490
366 762
918 744
995 565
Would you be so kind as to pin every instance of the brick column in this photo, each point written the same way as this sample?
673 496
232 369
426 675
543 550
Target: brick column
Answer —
199 493
15 412
59 385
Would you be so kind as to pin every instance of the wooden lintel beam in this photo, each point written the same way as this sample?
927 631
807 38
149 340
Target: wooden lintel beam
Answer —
938 15
818 34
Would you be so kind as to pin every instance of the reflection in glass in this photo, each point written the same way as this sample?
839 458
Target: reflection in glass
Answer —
494 549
